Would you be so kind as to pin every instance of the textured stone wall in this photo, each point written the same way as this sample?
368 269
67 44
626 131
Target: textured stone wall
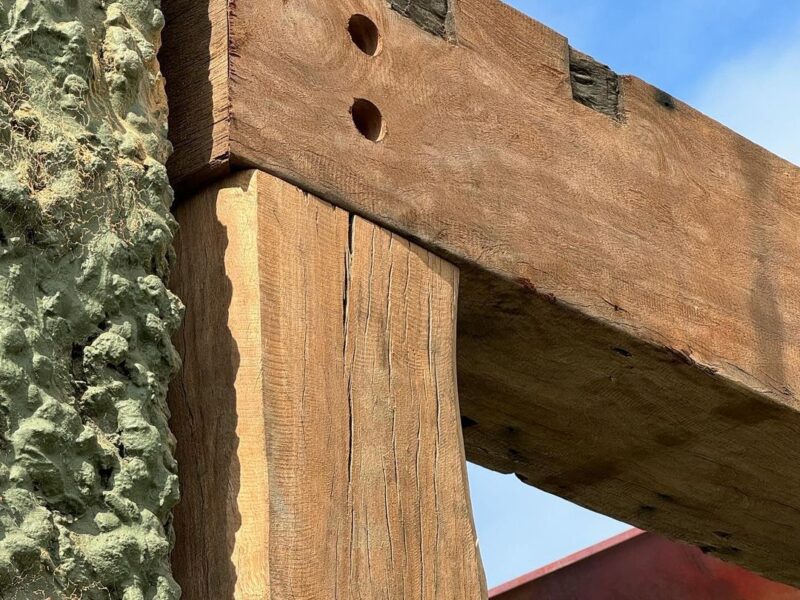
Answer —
87 475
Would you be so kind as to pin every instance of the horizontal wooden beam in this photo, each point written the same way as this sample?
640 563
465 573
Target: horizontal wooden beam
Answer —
629 332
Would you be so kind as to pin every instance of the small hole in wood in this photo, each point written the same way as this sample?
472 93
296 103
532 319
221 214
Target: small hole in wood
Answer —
368 120
365 35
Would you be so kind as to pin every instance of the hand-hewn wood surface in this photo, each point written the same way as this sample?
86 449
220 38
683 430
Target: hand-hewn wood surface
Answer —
317 414
629 331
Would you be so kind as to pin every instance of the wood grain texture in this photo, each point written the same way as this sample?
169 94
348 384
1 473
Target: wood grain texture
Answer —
412 527
343 425
629 327
626 427
301 259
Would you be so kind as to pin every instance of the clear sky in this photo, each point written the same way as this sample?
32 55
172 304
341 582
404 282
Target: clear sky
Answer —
738 61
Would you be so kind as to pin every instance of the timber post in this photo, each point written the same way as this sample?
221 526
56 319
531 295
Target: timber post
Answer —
317 409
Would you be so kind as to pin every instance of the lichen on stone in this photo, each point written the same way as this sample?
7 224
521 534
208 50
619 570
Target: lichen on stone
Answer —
87 474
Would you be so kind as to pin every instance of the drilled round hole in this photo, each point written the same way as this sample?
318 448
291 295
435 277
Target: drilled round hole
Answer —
365 34
368 120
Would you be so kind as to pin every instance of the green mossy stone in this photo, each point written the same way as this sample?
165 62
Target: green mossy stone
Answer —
87 477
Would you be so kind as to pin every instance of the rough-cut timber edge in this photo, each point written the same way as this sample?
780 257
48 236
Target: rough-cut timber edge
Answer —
629 331
431 15
87 476
317 409
594 84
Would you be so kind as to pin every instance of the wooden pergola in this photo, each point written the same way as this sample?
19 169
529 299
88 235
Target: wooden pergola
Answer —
411 229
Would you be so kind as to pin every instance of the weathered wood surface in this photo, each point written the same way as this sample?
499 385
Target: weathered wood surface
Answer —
593 84
629 332
317 414
430 15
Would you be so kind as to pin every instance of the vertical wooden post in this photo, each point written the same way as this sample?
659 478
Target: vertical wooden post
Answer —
317 415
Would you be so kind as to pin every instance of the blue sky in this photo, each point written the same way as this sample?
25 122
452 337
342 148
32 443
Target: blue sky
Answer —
738 61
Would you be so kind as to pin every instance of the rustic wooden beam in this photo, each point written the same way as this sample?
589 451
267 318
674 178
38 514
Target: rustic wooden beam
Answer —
317 412
629 333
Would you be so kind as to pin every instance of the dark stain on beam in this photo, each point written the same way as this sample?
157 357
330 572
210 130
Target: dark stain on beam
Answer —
664 99
594 84
431 15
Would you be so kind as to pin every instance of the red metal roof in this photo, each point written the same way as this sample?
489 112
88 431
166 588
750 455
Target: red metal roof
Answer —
642 566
